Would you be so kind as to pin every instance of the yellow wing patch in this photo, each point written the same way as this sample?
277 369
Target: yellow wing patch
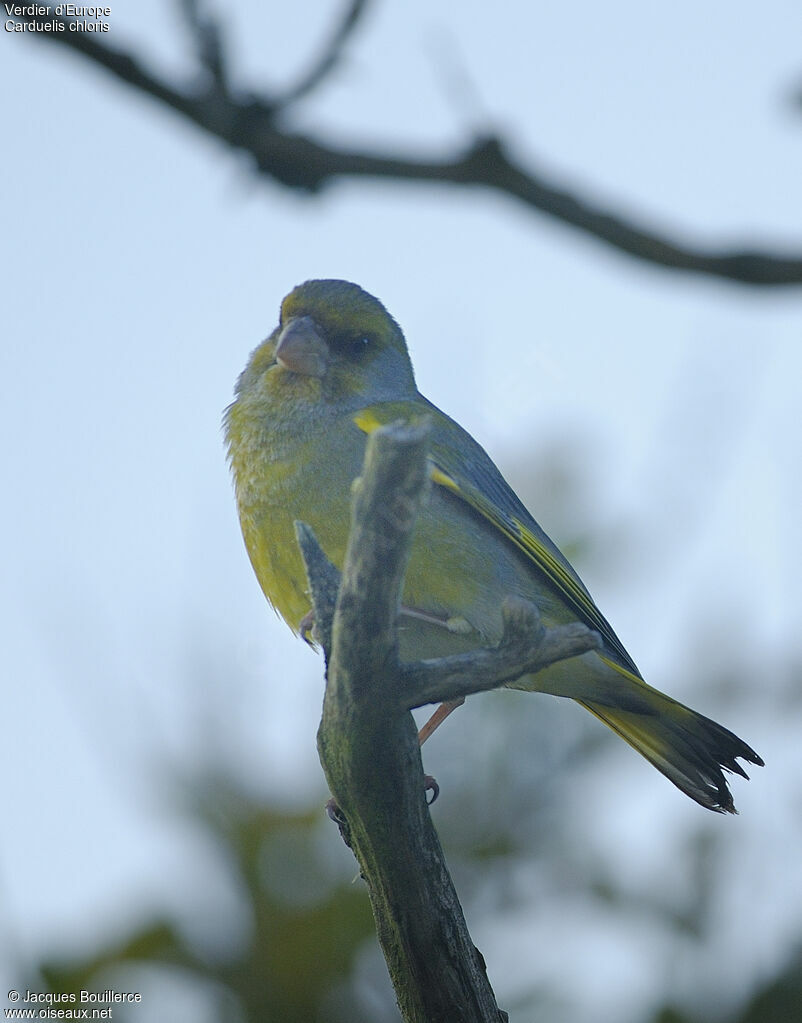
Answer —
368 421
442 480
525 540
516 531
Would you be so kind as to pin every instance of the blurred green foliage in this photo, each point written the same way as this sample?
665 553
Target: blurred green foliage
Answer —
306 926
304 948
302 937
779 1000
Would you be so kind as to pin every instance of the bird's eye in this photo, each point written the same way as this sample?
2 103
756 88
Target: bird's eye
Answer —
358 343
351 344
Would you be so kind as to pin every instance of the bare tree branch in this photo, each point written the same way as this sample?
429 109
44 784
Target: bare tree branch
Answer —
368 742
329 56
249 123
371 756
208 36
526 647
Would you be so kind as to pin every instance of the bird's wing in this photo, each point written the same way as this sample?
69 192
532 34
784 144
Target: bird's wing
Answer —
467 471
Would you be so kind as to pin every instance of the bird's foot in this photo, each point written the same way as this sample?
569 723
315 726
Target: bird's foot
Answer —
335 814
430 785
306 628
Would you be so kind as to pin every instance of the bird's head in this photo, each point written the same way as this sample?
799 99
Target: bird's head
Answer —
333 342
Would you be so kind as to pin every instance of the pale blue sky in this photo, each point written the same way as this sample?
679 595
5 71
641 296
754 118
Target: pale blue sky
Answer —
142 263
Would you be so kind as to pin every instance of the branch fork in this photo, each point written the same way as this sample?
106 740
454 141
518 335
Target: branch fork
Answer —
367 738
259 124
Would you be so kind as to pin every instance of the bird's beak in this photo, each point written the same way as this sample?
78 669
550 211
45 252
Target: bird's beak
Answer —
301 349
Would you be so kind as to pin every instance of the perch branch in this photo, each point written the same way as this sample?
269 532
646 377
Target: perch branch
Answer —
526 647
367 739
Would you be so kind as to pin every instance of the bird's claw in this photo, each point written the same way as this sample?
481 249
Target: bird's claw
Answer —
430 785
306 629
335 814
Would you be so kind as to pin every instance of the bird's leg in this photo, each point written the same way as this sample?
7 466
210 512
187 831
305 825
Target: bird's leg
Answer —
456 625
438 718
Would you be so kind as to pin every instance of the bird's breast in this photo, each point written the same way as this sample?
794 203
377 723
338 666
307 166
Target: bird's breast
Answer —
286 472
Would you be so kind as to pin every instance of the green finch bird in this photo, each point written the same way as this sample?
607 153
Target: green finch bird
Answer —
335 368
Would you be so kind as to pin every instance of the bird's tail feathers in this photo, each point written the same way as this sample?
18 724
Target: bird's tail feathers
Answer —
689 749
